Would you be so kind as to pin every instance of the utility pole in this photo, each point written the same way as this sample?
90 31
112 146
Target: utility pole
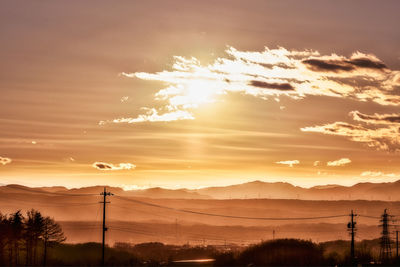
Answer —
104 194
397 244
351 227
176 231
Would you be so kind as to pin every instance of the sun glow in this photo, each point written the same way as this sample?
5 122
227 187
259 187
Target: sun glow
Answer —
193 94
270 73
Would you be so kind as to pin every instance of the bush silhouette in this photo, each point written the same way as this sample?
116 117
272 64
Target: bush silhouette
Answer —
281 252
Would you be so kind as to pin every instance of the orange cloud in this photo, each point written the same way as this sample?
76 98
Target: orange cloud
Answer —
110 167
291 163
376 118
378 174
5 161
270 73
381 138
339 162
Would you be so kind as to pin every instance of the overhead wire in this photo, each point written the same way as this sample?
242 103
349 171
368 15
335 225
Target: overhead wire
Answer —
370 217
230 216
143 212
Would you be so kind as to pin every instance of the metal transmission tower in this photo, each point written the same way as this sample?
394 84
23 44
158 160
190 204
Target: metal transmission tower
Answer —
104 194
351 227
386 250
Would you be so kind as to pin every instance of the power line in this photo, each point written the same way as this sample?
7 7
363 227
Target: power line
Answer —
132 231
370 217
87 227
144 212
230 216
95 220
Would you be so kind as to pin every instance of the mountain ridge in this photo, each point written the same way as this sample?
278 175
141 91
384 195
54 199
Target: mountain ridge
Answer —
386 191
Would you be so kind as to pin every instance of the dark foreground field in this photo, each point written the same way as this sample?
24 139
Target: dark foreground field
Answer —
279 252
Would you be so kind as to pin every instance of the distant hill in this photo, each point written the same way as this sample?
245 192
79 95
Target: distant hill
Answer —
155 192
155 208
250 190
84 205
280 190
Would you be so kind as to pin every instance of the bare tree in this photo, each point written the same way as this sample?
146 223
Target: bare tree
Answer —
34 228
52 233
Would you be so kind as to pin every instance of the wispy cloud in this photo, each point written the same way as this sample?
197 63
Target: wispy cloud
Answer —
124 99
339 162
111 167
291 163
377 174
5 161
383 134
316 163
130 187
153 116
391 119
269 73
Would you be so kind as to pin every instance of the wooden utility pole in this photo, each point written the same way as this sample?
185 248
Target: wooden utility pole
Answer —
104 194
397 243
351 227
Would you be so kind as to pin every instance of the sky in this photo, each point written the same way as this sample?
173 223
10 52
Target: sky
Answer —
199 93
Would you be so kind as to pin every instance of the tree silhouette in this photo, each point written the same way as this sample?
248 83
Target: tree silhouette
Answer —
16 222
3 237
52 233
34 228
24 237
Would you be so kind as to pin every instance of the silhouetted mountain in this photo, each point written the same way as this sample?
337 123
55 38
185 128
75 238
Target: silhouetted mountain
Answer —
255 189
158 192
250 190
82 209
54 188
155 192
279 190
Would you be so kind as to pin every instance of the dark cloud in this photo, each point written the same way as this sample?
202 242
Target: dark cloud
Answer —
367 63
327 65
339 126
343 65
108 166
102 166
277 86
376 118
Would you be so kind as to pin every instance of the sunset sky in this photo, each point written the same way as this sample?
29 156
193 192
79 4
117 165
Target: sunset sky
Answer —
199 93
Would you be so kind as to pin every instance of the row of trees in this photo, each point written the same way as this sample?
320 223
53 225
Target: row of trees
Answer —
25 239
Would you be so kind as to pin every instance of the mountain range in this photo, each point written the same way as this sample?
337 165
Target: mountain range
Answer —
251 190
154 214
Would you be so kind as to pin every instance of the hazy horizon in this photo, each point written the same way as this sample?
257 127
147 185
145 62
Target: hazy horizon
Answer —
199 94
131 187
